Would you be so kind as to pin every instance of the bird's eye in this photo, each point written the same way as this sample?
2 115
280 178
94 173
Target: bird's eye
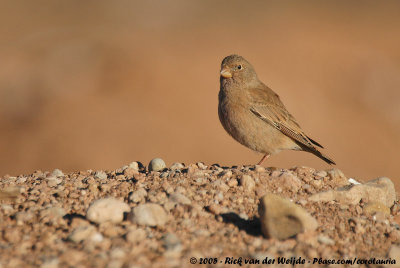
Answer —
239 67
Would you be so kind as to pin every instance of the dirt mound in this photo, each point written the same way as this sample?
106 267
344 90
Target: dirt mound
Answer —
186 214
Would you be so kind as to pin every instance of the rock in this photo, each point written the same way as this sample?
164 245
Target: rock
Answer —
53 181
377 190
177 166
101 175
372 208
23 217
136 235
179 198
134 165
394 254
172 242
107 209
57 173
337 176
82 233
137 195
247 182
221 185
156 164
281 219
50 263
149 214
326 240
321 173
52 213
290 182
232 182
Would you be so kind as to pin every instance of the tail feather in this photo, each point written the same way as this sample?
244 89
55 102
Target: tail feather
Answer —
315 143
323 157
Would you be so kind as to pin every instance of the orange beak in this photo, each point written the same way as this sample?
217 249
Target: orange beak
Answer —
225 73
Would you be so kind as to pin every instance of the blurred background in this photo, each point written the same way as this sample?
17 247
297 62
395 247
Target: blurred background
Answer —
99 84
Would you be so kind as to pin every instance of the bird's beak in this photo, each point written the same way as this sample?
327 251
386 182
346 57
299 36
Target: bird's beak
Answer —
225 73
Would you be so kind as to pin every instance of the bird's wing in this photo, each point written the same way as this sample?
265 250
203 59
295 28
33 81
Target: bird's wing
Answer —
267 105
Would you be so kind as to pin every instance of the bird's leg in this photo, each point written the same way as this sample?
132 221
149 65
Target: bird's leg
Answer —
262 159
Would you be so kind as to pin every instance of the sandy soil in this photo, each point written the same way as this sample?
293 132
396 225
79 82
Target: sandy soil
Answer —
205 212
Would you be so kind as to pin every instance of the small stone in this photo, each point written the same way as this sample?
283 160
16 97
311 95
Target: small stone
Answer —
221 185
201 165
172 242
326 240
179 198
281 219
136 235
23 217
247 182
130 172
134 165
137 195
394 254
50 263
232 182
321 173
214 209
177 166
52 213
259 169
316 184
149 214
107 209
225 175
57 173
53 181
377 190
101 175
82 233
156 164
374 207
290 182
337 176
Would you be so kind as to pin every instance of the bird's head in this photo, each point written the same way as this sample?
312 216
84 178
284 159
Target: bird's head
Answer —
237 69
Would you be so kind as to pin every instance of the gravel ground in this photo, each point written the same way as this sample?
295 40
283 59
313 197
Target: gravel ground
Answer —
170 217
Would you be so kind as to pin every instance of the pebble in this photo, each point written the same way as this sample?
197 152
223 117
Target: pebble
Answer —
201 165
137 195
375 207
101 175
179 198
290 182
23 217
107 209
136 235
53 181
82 233
134 165
177 166
281 219
337 176
156 164
326 240
149 214
57 173
52 213
247 182
378 190
172 242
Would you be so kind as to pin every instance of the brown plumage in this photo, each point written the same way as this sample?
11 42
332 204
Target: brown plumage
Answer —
255 116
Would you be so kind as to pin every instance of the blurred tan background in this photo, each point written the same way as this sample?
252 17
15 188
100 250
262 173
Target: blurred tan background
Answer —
98 84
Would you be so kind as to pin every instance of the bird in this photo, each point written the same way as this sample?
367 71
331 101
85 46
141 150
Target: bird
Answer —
254 115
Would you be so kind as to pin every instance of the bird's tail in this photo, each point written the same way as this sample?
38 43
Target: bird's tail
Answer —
323 157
